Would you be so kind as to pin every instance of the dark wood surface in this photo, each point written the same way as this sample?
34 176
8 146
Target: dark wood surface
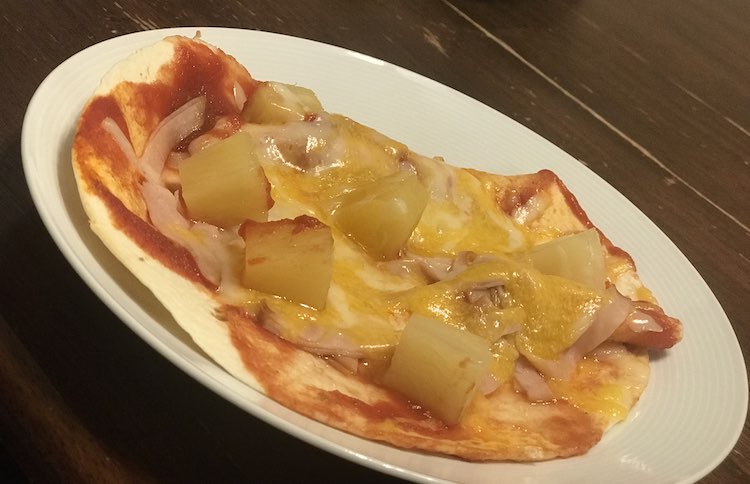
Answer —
652 96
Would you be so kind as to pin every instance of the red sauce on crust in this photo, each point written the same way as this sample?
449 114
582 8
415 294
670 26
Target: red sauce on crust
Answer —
97 141
195 70
390 416
526 186
580 214
270 359
523 187
613 250
161 248
267 356
251 341
570 199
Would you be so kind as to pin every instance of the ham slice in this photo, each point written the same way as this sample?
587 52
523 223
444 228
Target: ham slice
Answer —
314 339
606 320
531 382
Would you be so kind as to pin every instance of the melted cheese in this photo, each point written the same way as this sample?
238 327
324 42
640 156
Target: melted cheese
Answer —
605 386
466 219
309 164
557 311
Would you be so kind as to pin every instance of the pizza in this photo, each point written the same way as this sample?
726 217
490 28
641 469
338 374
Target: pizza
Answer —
374 289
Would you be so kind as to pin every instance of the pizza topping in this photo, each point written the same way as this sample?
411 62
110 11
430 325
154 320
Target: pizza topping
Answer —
289 258
468 220
170 175
437 176
169 133
164 210
486 294
591 388
488 384
606 320
531 382
122 141
305 147
433 269
639 321
578 257
211 247
670 332
532 209
314 338
557 311
439 366
494 322
224 127
335 345
224 184
278 103
240 97
437 270
345 363
381 215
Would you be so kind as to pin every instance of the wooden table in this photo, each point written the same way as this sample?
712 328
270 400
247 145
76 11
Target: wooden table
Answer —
652 96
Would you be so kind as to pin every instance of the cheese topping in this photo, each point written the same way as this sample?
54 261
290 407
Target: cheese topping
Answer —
485 285
310 163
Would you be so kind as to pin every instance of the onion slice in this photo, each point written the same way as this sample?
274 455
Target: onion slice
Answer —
168 133
163 209
240 97
488 384
206 243
110 126
314 338
335 344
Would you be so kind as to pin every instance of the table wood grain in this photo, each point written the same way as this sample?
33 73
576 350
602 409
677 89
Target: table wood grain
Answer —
652 96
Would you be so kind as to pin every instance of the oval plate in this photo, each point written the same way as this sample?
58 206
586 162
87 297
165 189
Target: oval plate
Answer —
693 410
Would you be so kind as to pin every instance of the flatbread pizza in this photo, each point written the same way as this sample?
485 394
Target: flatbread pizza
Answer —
382 292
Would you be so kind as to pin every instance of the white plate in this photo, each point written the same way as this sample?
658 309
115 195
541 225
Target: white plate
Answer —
693 410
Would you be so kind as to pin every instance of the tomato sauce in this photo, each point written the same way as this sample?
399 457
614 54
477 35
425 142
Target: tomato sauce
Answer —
195 70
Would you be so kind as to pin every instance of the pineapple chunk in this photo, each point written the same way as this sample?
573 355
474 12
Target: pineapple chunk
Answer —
289 258
579 257
381 215
224 184
438 366
277 103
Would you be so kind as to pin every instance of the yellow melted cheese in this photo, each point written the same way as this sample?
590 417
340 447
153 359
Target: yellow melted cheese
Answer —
557 310
311 163
591 389
468 220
